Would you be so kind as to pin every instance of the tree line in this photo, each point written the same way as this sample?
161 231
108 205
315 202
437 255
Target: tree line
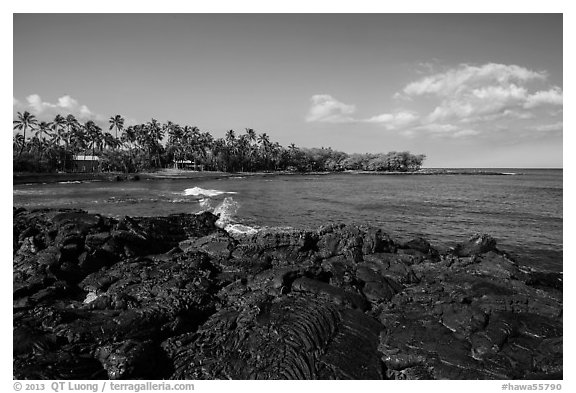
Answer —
41 146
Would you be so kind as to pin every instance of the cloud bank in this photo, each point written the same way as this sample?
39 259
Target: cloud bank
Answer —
46 111
464 101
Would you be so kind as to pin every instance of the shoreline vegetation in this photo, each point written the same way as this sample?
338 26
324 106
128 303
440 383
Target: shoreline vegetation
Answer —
68 145
33 177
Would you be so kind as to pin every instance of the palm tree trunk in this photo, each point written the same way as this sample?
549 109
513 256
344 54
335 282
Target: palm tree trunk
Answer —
23 143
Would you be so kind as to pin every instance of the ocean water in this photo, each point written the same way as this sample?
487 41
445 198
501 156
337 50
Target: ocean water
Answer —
523 211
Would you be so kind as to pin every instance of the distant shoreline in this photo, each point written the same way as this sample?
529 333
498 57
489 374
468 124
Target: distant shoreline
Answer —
26 178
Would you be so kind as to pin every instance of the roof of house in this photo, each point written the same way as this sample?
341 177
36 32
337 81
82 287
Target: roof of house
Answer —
86 158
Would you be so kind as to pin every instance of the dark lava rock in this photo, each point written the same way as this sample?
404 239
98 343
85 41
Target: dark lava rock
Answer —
129 360
294 337
422 246
335 295
176 297
352 242
477 244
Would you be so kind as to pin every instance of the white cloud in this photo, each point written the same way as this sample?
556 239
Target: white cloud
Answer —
437 128
466 76
554 127
441 130
327 109
64 105
552 96
462 102
394 121
484 93
464 133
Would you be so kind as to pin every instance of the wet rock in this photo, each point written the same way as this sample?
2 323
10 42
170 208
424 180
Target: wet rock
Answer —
77 220
276 247
545 280
476 245
491 264
376 288
395 266
422 246
352 242
50 256
218 245
129 360
489 341
96 240
463 319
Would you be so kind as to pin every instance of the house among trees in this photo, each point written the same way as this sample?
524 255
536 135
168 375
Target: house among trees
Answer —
85 163
188 164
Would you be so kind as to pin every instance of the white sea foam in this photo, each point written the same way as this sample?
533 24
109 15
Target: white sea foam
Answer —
240 229
226 210
90 297
206 203
197 191
70 182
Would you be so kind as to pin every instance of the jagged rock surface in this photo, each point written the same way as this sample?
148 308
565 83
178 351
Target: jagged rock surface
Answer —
176 297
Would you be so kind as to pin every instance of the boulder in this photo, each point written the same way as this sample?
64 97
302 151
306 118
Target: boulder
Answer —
476 245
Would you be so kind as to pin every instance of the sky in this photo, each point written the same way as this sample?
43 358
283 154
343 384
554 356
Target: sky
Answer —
467 90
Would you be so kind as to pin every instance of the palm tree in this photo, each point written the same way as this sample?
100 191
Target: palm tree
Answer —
40 144
43 130
18 141
243 150
25 120
155 134
117 122
174 143
63 127
230 137
251 134
190 137
110 141
71 123
128 137
252 152
205 146
93 135
58 124
264 141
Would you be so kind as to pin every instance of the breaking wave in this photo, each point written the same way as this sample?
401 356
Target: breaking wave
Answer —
198 191
225 209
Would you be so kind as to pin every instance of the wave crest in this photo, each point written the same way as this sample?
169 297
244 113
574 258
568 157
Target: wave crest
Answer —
198 191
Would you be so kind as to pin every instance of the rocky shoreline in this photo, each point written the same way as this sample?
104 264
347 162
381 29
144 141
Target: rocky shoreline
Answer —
179 298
